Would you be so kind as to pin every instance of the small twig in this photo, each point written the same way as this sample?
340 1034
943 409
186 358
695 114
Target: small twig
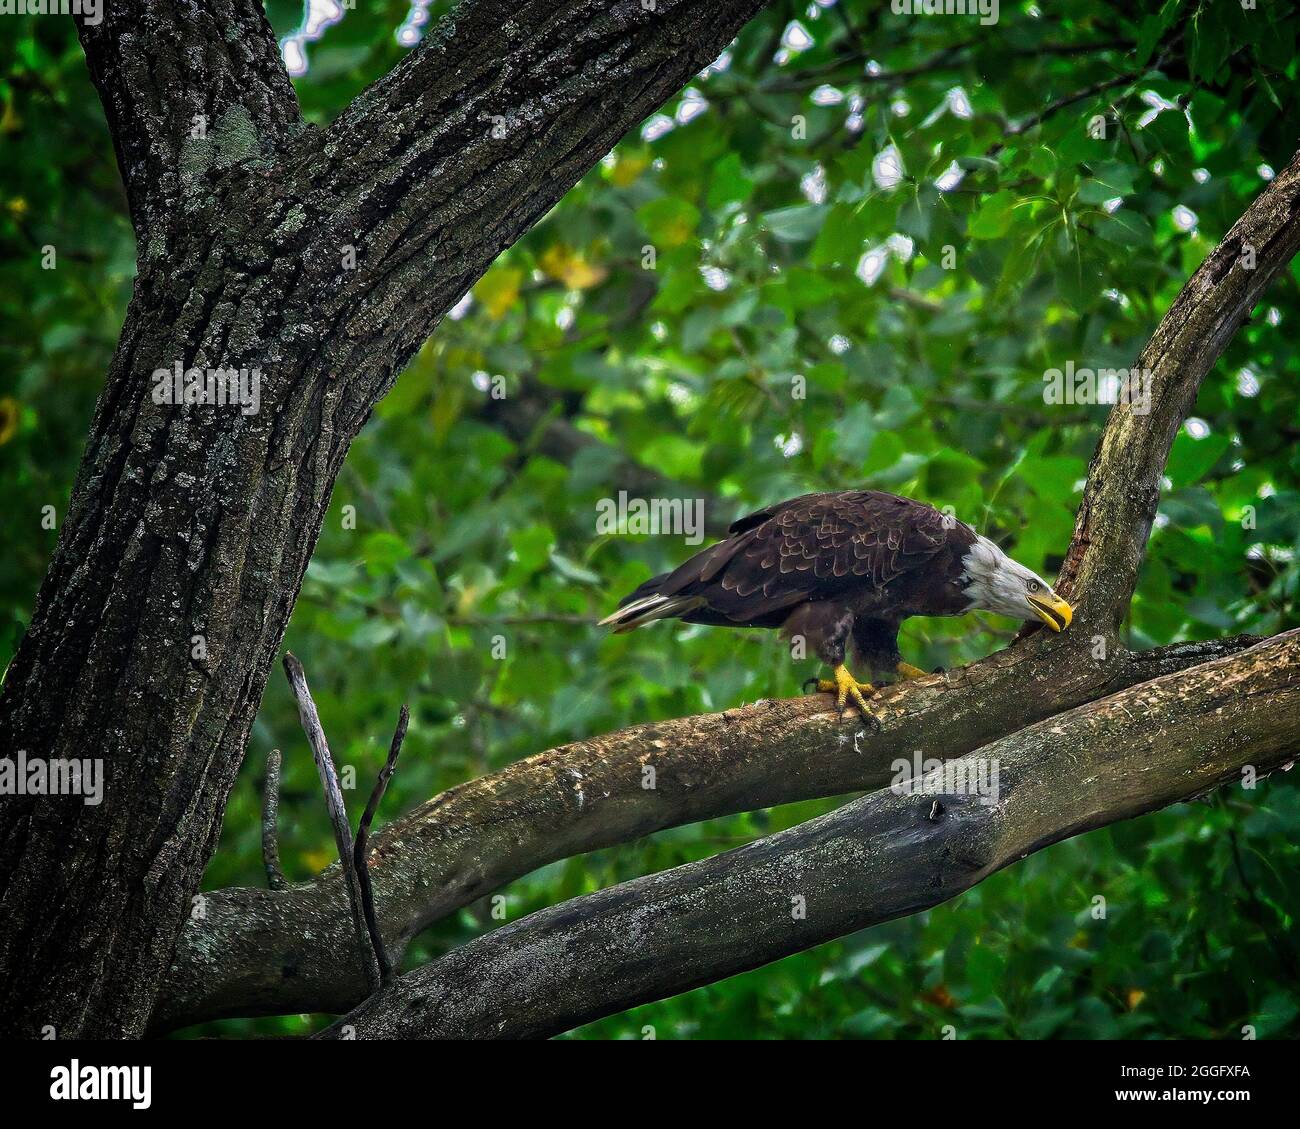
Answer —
945 60
359 847
912 298
1034 121
334 802
270 813
521 620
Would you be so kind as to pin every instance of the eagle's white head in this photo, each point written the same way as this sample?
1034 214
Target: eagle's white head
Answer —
996 583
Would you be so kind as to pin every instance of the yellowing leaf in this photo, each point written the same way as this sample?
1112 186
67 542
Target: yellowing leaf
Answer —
670 221
498 290
318 860
628 167
10 122
553 259
8 419
583 275
565 265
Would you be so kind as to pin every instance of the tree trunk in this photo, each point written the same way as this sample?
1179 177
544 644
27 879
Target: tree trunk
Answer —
190 526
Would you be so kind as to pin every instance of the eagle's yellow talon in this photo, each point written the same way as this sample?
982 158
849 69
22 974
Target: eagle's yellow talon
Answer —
844 686
907 670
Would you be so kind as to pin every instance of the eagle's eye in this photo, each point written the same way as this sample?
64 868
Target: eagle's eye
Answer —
1032 585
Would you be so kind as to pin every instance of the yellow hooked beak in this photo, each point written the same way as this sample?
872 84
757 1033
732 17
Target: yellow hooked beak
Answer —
1052 610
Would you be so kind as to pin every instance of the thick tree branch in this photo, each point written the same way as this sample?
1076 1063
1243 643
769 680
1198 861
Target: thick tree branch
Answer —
188 89
441 165
886 855
1123 490
259 951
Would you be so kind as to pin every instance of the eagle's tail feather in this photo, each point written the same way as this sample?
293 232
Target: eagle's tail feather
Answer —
648 608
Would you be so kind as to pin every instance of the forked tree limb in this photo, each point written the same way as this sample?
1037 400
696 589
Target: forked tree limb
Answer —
267 952
443 163
338 813
361 856
883 856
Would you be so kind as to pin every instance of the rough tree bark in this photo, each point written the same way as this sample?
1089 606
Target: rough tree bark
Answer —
189 529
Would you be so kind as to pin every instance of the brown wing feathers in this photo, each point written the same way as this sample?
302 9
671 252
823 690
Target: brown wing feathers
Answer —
813 547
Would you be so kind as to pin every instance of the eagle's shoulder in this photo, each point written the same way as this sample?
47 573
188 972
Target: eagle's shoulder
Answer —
758 517
850 536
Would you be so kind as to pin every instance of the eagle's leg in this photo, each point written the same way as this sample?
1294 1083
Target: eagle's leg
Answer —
844 686
828 628
907 670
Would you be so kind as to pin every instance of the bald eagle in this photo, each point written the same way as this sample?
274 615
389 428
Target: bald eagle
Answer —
848 565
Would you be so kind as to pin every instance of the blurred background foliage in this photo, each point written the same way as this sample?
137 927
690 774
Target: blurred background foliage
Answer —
872 235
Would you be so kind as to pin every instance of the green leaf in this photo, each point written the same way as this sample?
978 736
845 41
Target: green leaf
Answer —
796 224
532 546
1190 459
840 238
669 221
382 551
1126 228
1109 179
993 218
729 183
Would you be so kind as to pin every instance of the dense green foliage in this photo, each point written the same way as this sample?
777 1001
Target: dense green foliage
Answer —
760 204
